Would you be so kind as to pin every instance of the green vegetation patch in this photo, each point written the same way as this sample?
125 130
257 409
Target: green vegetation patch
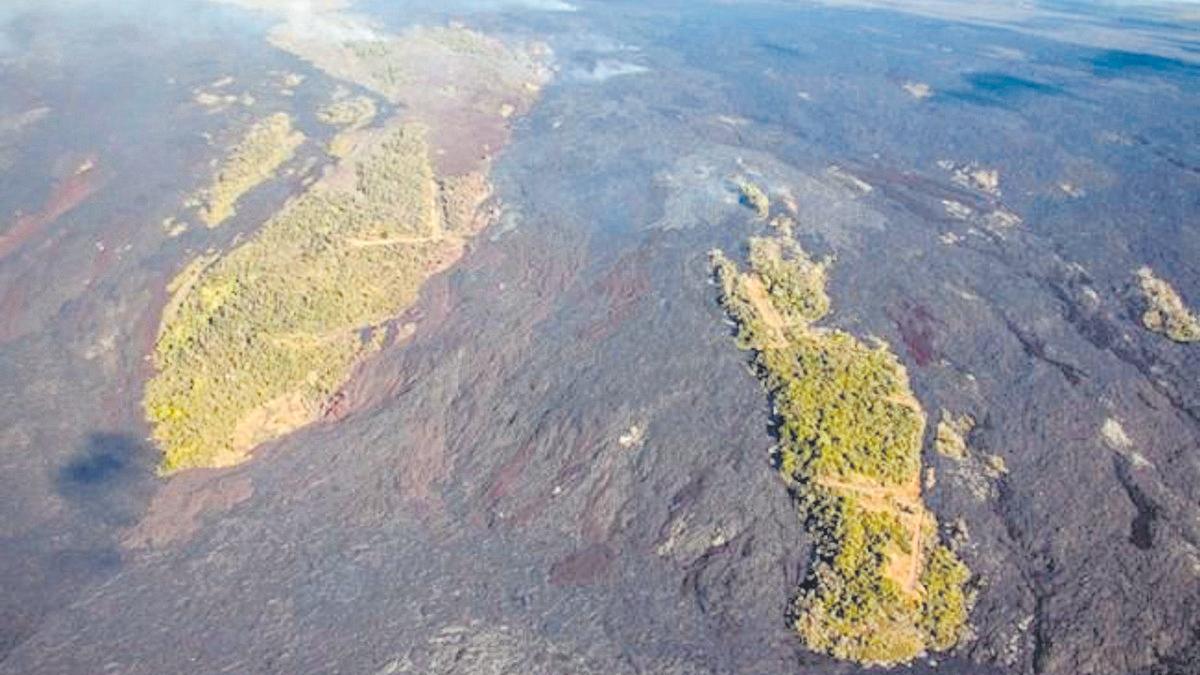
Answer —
944 614
842 409
881 590
256 340
266 145
795 283
738 303
849 607
1166 313
462 196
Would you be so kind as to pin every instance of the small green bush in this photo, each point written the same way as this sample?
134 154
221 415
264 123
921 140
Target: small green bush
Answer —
1165 312
753 196
950 439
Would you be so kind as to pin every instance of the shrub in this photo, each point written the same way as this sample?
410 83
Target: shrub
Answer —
753 196
1165 311
950 439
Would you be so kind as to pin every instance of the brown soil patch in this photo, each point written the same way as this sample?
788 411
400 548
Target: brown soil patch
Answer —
917 330
425 462
68 194
12 307
622 287
510 474
177 509
278 417
582 567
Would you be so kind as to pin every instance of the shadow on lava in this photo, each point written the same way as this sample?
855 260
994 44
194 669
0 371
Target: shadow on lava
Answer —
107 477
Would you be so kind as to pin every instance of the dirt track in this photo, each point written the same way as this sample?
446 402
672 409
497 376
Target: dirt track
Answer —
904 502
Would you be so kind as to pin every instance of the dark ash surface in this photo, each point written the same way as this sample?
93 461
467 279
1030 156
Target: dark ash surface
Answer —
475 510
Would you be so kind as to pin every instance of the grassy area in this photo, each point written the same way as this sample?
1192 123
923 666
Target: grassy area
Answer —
881 589
265 146
461 197
253 342
256 341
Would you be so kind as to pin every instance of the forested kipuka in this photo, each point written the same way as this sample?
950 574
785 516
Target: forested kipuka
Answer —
880 589
256 339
